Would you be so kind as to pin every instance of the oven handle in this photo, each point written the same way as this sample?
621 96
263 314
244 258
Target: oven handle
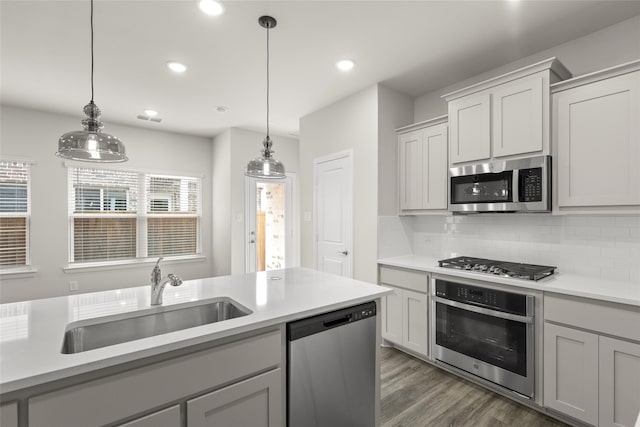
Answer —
488 312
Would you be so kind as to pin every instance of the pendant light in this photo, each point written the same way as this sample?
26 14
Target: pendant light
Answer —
265 166
91 144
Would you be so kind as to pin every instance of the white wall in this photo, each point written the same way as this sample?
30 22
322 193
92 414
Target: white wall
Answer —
221 238
33 135
395 110
232 151
608 47
349 124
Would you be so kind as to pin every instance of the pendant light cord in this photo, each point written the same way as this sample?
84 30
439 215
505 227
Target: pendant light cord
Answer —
92 51
268 26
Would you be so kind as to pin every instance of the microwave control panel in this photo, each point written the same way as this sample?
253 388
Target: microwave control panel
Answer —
530 185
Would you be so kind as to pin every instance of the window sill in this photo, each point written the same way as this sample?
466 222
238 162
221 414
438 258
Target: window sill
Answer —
18 273
126 264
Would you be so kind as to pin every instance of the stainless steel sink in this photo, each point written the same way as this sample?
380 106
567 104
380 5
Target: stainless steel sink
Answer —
96 333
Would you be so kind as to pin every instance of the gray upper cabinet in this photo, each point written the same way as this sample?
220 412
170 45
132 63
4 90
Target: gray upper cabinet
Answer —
470 128
422 169
597 140
507 116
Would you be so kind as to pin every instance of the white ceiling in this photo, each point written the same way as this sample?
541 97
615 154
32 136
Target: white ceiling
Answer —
412 46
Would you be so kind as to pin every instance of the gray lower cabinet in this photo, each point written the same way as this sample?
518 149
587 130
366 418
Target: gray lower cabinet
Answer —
169 417
592 360
619 363
233 371
571 372
255 402
405 311
9 415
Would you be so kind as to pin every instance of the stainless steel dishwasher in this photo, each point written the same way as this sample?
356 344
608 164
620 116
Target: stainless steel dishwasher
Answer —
331 372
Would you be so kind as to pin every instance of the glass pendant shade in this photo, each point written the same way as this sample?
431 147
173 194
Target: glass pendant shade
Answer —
90 144
265 166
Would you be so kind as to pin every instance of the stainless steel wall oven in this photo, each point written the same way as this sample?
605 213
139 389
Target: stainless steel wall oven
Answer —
486 332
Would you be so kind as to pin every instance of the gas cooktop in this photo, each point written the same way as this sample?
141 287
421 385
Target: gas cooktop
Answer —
499 268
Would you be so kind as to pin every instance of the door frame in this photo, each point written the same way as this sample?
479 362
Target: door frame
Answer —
348 154
292 224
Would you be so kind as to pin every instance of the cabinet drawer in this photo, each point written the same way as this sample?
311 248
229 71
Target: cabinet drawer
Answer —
141 389
169 417
604 317
414 280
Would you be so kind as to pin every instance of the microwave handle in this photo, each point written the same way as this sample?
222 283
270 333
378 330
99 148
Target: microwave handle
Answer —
515 185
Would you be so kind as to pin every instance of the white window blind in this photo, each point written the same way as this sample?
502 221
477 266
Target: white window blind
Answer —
15 208
173 209
118 215
102 209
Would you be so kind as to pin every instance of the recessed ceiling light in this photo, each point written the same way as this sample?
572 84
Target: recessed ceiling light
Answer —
151 113
211 7
176 67
345 64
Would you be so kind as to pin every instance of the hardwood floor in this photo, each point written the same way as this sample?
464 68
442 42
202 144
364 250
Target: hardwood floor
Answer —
416 394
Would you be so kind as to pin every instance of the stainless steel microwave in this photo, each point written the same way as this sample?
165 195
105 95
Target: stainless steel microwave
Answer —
519 185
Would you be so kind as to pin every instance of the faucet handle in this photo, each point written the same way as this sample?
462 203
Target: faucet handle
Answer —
156 274
175 280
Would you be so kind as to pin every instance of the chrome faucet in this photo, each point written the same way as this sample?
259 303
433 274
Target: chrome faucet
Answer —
157 284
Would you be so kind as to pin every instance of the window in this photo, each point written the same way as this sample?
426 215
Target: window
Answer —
15 208
124 215
173 215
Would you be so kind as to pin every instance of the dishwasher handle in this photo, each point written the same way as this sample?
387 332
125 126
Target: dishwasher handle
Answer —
337 322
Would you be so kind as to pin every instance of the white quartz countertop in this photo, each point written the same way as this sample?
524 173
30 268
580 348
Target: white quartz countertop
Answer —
31 332
568 284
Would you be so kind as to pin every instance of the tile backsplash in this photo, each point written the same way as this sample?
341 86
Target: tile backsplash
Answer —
596 245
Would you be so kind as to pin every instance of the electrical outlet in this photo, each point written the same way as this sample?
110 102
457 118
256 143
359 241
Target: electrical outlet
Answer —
73 285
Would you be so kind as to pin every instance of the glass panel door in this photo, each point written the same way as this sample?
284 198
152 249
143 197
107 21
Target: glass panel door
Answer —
269 224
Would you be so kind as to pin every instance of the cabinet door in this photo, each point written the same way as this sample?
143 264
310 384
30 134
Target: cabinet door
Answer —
517 118
598 138
392 316
571 372
619 382
414 319
470 127
169 417
255 402
435 177
9 415
410 174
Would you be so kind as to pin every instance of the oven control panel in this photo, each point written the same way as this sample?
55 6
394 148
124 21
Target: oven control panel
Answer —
484 297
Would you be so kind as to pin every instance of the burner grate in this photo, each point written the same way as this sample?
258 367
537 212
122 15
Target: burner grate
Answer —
499 268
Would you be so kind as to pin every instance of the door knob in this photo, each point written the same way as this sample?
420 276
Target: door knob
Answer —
345 252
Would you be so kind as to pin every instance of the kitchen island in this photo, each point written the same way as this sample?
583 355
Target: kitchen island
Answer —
164 376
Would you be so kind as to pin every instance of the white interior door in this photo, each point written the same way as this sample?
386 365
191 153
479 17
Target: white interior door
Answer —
269 223
333 206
